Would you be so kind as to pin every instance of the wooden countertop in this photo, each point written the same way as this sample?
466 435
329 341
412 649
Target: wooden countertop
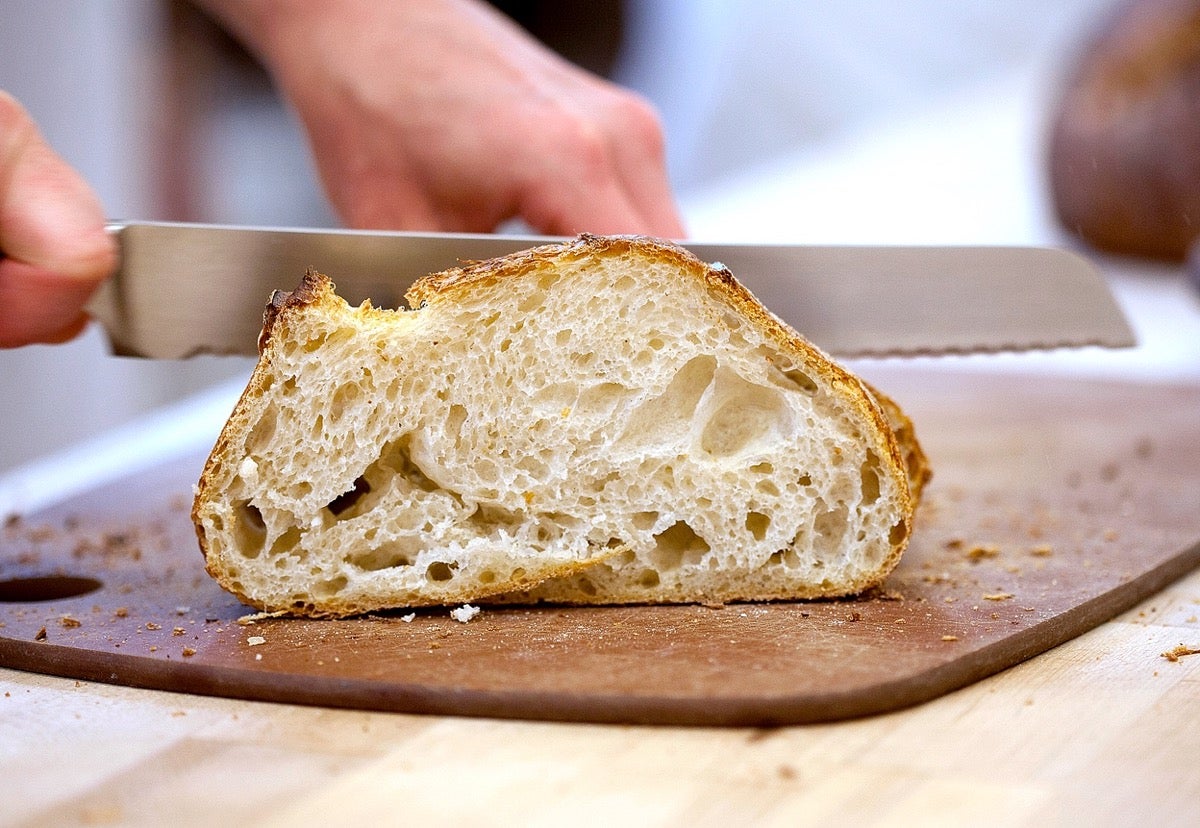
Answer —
1101 730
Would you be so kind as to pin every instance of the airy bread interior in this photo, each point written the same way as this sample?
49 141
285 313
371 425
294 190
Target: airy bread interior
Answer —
607 420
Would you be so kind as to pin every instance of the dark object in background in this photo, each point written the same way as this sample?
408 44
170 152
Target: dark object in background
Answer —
586 32
1124 157
1193 267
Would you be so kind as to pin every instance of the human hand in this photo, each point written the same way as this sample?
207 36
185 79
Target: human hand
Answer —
54 250
444 115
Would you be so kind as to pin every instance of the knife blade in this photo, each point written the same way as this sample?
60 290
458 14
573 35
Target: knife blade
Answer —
184 289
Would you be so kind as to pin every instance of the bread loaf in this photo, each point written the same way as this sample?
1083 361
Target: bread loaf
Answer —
606 420
1124 152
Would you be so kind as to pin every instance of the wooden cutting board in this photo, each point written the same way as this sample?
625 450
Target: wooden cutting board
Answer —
1055 505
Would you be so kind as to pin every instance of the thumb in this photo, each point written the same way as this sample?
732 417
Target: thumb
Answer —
54 250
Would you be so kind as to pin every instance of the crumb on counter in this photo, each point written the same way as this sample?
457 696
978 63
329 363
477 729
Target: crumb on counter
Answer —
247 620
464 613
1176 653
981 551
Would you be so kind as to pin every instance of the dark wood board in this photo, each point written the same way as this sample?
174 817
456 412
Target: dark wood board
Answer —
1055 505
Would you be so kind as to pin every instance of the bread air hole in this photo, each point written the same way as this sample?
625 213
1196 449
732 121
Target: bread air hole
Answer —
330 587
347 397
870 479
394 466
439 571
250 529
744 416
676 546
346 500
757 525
286 542
263 431
662 416
645 520
386 556
828 530
802 381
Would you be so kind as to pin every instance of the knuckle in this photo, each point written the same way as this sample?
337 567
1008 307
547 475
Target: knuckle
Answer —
638 120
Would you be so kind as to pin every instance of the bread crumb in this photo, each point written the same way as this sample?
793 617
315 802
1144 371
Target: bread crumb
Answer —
40 635
178 631
68 621
981 551
997 596
464 613
150 625
247 620
255 640
188 652
408 619
1044 550
949 638
1176 653
121 612
954 543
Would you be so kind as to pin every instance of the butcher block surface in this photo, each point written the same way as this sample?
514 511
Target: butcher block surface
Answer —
1055 505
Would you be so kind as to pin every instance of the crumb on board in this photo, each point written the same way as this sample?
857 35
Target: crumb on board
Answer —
150 625
1042 550
68 621
982 550
1176 653
997 596
464 613
178 631
188 652
247 620
949 638
121 612
40 635
255 640
408 619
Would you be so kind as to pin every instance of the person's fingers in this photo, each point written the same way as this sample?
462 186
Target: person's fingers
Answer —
569 181
38 305
639 158
54 249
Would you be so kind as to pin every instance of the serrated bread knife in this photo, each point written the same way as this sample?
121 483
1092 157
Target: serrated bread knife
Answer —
185 289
